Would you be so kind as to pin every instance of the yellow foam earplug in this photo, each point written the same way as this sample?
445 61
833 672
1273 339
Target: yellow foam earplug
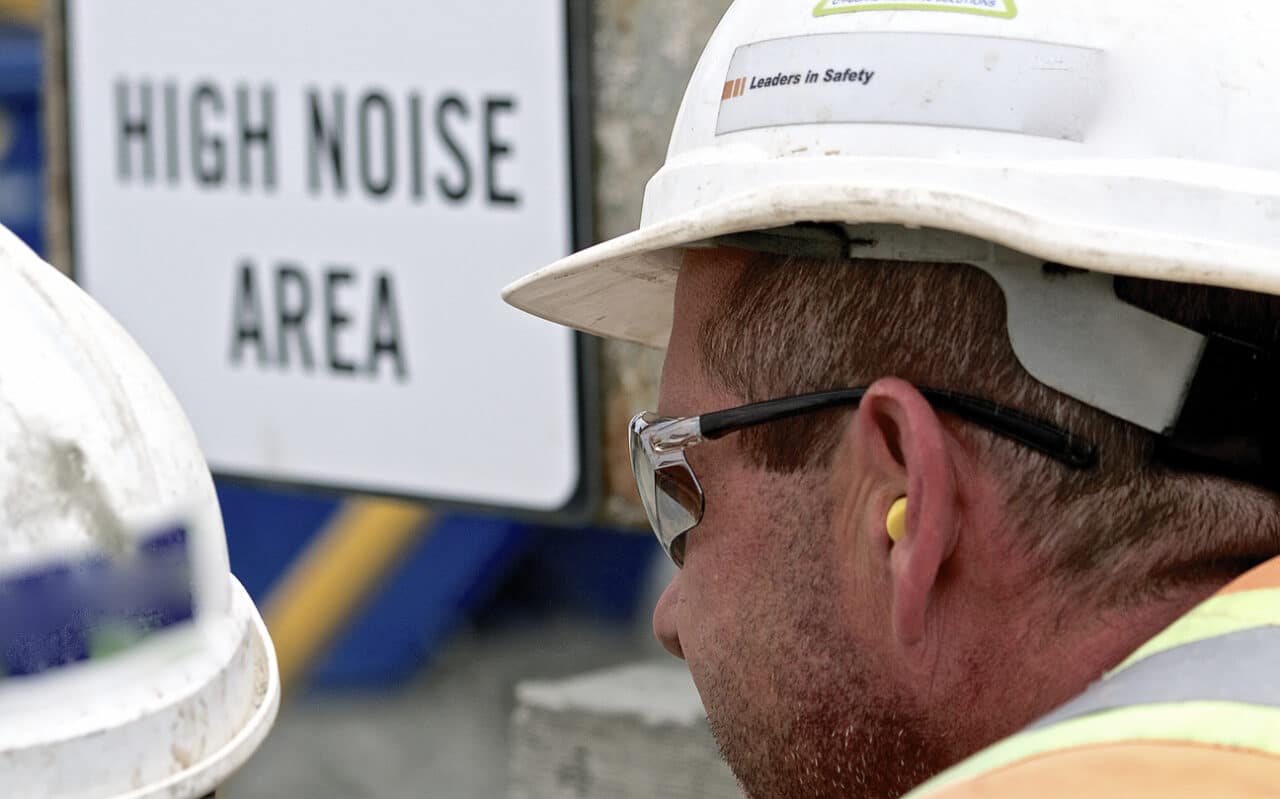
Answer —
896 521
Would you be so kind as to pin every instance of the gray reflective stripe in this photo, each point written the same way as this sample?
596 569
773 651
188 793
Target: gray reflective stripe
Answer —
1242 667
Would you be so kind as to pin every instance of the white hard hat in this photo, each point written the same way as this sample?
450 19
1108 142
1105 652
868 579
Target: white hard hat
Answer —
1133 138
109 525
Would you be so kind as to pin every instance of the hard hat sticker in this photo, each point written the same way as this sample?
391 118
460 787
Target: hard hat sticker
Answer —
93 606
1005 9
941 80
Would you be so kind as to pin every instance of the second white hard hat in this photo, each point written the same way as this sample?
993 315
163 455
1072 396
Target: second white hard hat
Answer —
136 665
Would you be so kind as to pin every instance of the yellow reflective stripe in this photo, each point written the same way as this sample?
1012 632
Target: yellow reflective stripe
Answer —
1214 723
1211 723
337 571
1217 615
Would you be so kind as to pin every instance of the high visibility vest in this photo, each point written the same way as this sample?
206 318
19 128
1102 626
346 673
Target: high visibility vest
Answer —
1195 712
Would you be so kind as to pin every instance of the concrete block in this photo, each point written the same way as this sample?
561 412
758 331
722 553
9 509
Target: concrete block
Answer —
635 732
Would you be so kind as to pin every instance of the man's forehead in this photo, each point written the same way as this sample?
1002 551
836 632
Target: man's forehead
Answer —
706 277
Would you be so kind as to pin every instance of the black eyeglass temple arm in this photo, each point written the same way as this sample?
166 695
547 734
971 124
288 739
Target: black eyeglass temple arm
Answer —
1039 435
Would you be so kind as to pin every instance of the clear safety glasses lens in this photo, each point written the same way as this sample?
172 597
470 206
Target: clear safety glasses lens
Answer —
669 491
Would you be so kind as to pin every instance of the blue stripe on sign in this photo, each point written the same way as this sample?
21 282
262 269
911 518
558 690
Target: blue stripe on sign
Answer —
74 610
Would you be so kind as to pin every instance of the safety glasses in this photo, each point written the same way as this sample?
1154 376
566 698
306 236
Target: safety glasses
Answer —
672 496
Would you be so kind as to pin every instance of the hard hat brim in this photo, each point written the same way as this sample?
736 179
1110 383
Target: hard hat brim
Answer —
212 771
623 288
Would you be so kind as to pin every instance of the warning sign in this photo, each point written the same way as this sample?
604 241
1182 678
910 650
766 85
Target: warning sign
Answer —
304 213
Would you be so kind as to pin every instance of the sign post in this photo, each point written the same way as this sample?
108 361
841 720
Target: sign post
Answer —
304 213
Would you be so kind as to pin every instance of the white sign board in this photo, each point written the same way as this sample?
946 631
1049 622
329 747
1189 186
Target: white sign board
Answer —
304 212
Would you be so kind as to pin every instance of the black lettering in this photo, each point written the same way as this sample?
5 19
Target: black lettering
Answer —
206 95
459 191
415 144
497 149
134 128
382 184
260 135
246 317
828 76
172 147
336 319
327 138
384 328
292 309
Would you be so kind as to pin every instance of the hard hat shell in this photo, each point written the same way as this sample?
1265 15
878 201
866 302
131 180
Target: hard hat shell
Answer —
1130 138
91 441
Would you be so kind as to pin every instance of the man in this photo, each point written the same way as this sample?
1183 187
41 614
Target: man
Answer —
969 398
132 663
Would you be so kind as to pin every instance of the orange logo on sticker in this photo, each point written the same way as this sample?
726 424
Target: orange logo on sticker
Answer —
733 88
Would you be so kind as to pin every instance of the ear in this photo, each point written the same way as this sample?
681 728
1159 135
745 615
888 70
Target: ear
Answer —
901 449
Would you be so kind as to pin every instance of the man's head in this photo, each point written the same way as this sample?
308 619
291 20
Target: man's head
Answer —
833 661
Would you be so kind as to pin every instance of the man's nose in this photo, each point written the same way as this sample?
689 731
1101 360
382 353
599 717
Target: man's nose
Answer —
664 618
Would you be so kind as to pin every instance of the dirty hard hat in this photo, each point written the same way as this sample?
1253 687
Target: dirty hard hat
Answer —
132 664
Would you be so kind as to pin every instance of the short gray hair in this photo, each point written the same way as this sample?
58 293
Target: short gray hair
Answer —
793 325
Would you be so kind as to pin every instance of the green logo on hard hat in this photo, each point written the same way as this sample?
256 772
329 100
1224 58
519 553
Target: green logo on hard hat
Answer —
1005 9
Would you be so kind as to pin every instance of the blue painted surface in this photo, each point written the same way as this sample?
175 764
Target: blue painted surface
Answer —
21 146
595 573
468 568
439 586
267 528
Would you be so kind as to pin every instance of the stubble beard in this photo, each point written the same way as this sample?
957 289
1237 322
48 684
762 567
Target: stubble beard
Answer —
831 725
823 740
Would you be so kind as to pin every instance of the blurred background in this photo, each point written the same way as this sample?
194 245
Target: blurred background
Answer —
428 652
